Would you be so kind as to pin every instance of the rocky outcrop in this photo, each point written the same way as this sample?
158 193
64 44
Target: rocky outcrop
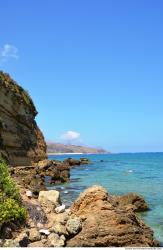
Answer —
33 177
94 220
21 141
74 162
104 224
132 201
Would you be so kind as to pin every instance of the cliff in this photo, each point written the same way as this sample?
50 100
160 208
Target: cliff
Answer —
21 141
62 148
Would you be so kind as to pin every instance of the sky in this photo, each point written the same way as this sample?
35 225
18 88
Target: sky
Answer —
94 68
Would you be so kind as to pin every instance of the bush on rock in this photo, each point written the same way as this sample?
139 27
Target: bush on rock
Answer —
10 201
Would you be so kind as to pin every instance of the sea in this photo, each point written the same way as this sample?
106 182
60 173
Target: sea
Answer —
119 174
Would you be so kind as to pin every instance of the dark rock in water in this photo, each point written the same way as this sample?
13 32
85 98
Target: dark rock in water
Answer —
104 224
72 162
84 161
132 201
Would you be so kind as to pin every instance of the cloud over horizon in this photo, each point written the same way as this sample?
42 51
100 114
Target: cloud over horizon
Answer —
70 136
8 51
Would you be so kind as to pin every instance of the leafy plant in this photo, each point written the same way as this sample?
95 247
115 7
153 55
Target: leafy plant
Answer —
11 208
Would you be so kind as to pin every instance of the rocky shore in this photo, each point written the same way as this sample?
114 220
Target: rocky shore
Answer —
95 219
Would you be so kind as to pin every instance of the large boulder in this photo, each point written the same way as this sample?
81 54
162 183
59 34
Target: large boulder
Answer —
104 224
132 201
49 200
21 141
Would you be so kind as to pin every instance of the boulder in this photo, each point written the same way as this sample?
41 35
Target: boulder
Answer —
72 162
49 200
84 161
133 201
73 225
34 235
106 225
54 240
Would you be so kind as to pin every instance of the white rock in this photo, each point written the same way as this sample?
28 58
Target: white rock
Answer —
49 197
60 209
44 231
29 193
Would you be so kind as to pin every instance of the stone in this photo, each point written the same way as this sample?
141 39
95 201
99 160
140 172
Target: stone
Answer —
29 194
60 209
55 241
6 232
11 243
44 231
137 201
104 224
49 200
73 225
36 244
34 235
59 229
72 162
23 239
84 161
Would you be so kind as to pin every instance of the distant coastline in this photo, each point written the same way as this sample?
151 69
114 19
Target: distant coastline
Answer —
59 148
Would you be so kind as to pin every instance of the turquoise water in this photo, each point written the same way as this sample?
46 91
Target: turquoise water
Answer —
119 174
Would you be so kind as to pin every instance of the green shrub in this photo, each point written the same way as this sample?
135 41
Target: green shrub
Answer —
10 201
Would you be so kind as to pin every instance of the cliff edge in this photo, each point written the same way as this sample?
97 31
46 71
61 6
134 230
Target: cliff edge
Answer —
21 141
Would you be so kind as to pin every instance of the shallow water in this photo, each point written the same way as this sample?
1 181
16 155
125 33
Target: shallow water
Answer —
119 174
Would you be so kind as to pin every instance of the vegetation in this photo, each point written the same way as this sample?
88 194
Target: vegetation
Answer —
6 80
11 208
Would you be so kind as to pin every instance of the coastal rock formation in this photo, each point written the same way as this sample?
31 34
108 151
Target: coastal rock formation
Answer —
33 177
104 224
21 141
94 220
132 201
74 162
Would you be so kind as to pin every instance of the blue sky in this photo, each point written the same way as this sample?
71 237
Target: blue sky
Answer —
94 67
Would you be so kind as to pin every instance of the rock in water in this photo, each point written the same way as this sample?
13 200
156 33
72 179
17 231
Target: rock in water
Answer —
106 225
21 141
132 199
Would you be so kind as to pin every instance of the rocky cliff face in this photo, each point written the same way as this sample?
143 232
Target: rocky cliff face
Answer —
21 141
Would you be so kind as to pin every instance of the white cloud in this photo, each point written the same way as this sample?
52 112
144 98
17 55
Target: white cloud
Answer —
8 51
70 136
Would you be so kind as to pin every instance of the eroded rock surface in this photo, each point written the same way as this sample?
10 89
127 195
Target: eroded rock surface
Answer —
21 141
104 224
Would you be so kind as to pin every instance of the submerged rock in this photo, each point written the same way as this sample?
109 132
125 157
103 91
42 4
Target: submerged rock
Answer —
104 224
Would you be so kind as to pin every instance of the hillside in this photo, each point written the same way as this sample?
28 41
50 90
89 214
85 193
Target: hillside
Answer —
62 148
